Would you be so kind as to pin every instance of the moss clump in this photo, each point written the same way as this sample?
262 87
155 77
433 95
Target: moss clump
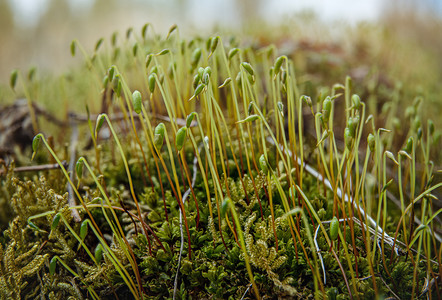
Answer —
227 195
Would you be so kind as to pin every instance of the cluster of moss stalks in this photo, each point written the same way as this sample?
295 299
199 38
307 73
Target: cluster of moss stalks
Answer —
208 173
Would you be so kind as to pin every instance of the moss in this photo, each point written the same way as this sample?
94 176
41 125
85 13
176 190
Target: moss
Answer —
133 189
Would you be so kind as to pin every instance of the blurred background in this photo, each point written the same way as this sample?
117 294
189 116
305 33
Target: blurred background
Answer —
38 32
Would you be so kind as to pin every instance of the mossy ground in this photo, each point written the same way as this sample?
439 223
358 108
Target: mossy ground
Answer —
140 258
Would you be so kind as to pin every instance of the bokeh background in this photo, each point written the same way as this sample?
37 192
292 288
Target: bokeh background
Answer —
38 32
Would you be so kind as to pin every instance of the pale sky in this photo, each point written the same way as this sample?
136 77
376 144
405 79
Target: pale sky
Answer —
28 12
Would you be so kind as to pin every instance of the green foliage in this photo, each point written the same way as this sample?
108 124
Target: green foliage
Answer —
264 257
155 219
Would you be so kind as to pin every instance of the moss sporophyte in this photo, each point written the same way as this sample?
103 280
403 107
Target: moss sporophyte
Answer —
279 185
